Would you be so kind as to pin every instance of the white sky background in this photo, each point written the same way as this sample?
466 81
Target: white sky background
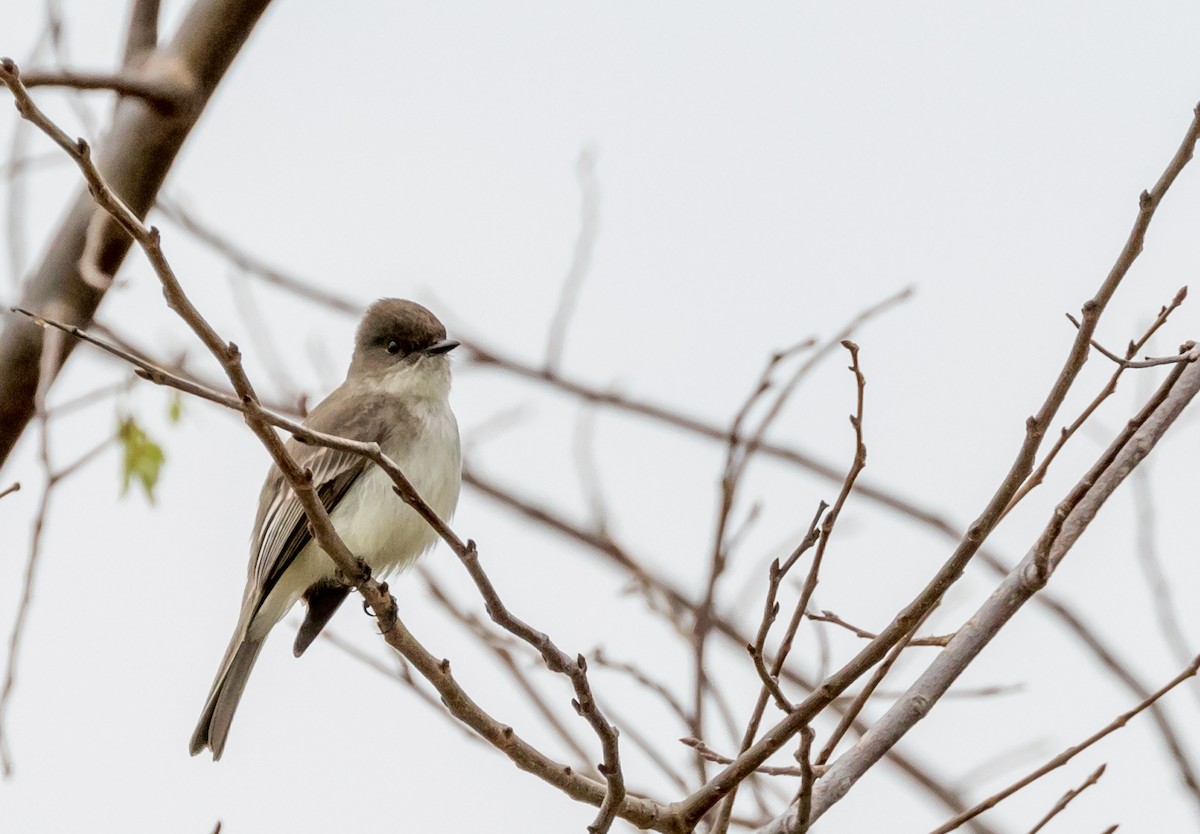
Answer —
766 171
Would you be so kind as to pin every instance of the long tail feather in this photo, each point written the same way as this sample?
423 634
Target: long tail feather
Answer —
213 728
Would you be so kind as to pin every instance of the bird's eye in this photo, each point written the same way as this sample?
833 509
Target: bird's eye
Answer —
393 347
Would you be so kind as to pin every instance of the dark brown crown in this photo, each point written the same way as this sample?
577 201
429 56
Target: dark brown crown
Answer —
407 323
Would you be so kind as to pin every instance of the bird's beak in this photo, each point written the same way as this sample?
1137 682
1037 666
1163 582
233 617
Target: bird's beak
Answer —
444 346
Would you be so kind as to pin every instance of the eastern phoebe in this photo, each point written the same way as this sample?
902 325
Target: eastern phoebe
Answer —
395 394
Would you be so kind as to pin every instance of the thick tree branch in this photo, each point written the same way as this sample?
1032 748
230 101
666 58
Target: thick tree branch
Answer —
141 38
138 150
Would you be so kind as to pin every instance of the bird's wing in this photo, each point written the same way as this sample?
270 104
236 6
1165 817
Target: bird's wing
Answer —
281 530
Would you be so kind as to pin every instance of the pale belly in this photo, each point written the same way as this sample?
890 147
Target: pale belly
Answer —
376 525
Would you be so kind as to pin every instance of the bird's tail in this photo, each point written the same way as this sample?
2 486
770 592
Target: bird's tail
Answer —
213 728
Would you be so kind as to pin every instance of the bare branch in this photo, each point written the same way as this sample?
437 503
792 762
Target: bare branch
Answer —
18 629
893 501
804 797
51 352
139 148
643 813
163 93
695 806
581 258
860 701
9 490
810 584
737 458
253 266
600 658
1189 355
1039 474
675 600
301 480
1068 522
758 649
1068 754
400 671
1067 797
503 655
767 770
829 617
1163 605
141 38
648 749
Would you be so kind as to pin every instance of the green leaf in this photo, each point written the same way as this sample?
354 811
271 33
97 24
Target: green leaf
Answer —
143 458
175 408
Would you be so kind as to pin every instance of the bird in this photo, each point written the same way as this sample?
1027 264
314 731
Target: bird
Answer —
396 394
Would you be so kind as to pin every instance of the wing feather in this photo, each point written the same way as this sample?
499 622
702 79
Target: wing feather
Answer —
284 531
281 530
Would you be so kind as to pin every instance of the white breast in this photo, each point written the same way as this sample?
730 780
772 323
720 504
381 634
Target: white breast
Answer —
380 528
376 525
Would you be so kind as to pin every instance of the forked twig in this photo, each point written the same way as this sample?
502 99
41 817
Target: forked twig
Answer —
1068 754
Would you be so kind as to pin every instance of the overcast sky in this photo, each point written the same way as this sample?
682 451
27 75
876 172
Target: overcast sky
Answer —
765 172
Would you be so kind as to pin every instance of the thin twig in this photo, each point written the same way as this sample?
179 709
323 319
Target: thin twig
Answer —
584 453
660 689
554 658
52 343
154 91
249 311
1039 474
1068 522
581 257
1149 362
737 458
90 397
674 600
9 490
253 266
1068 754
1163 601
767 770
696 806
18 629
490 357
500 649
810 585
827 616
649 749
860 700
775 576
804 796
51 352
397 672
1066 798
